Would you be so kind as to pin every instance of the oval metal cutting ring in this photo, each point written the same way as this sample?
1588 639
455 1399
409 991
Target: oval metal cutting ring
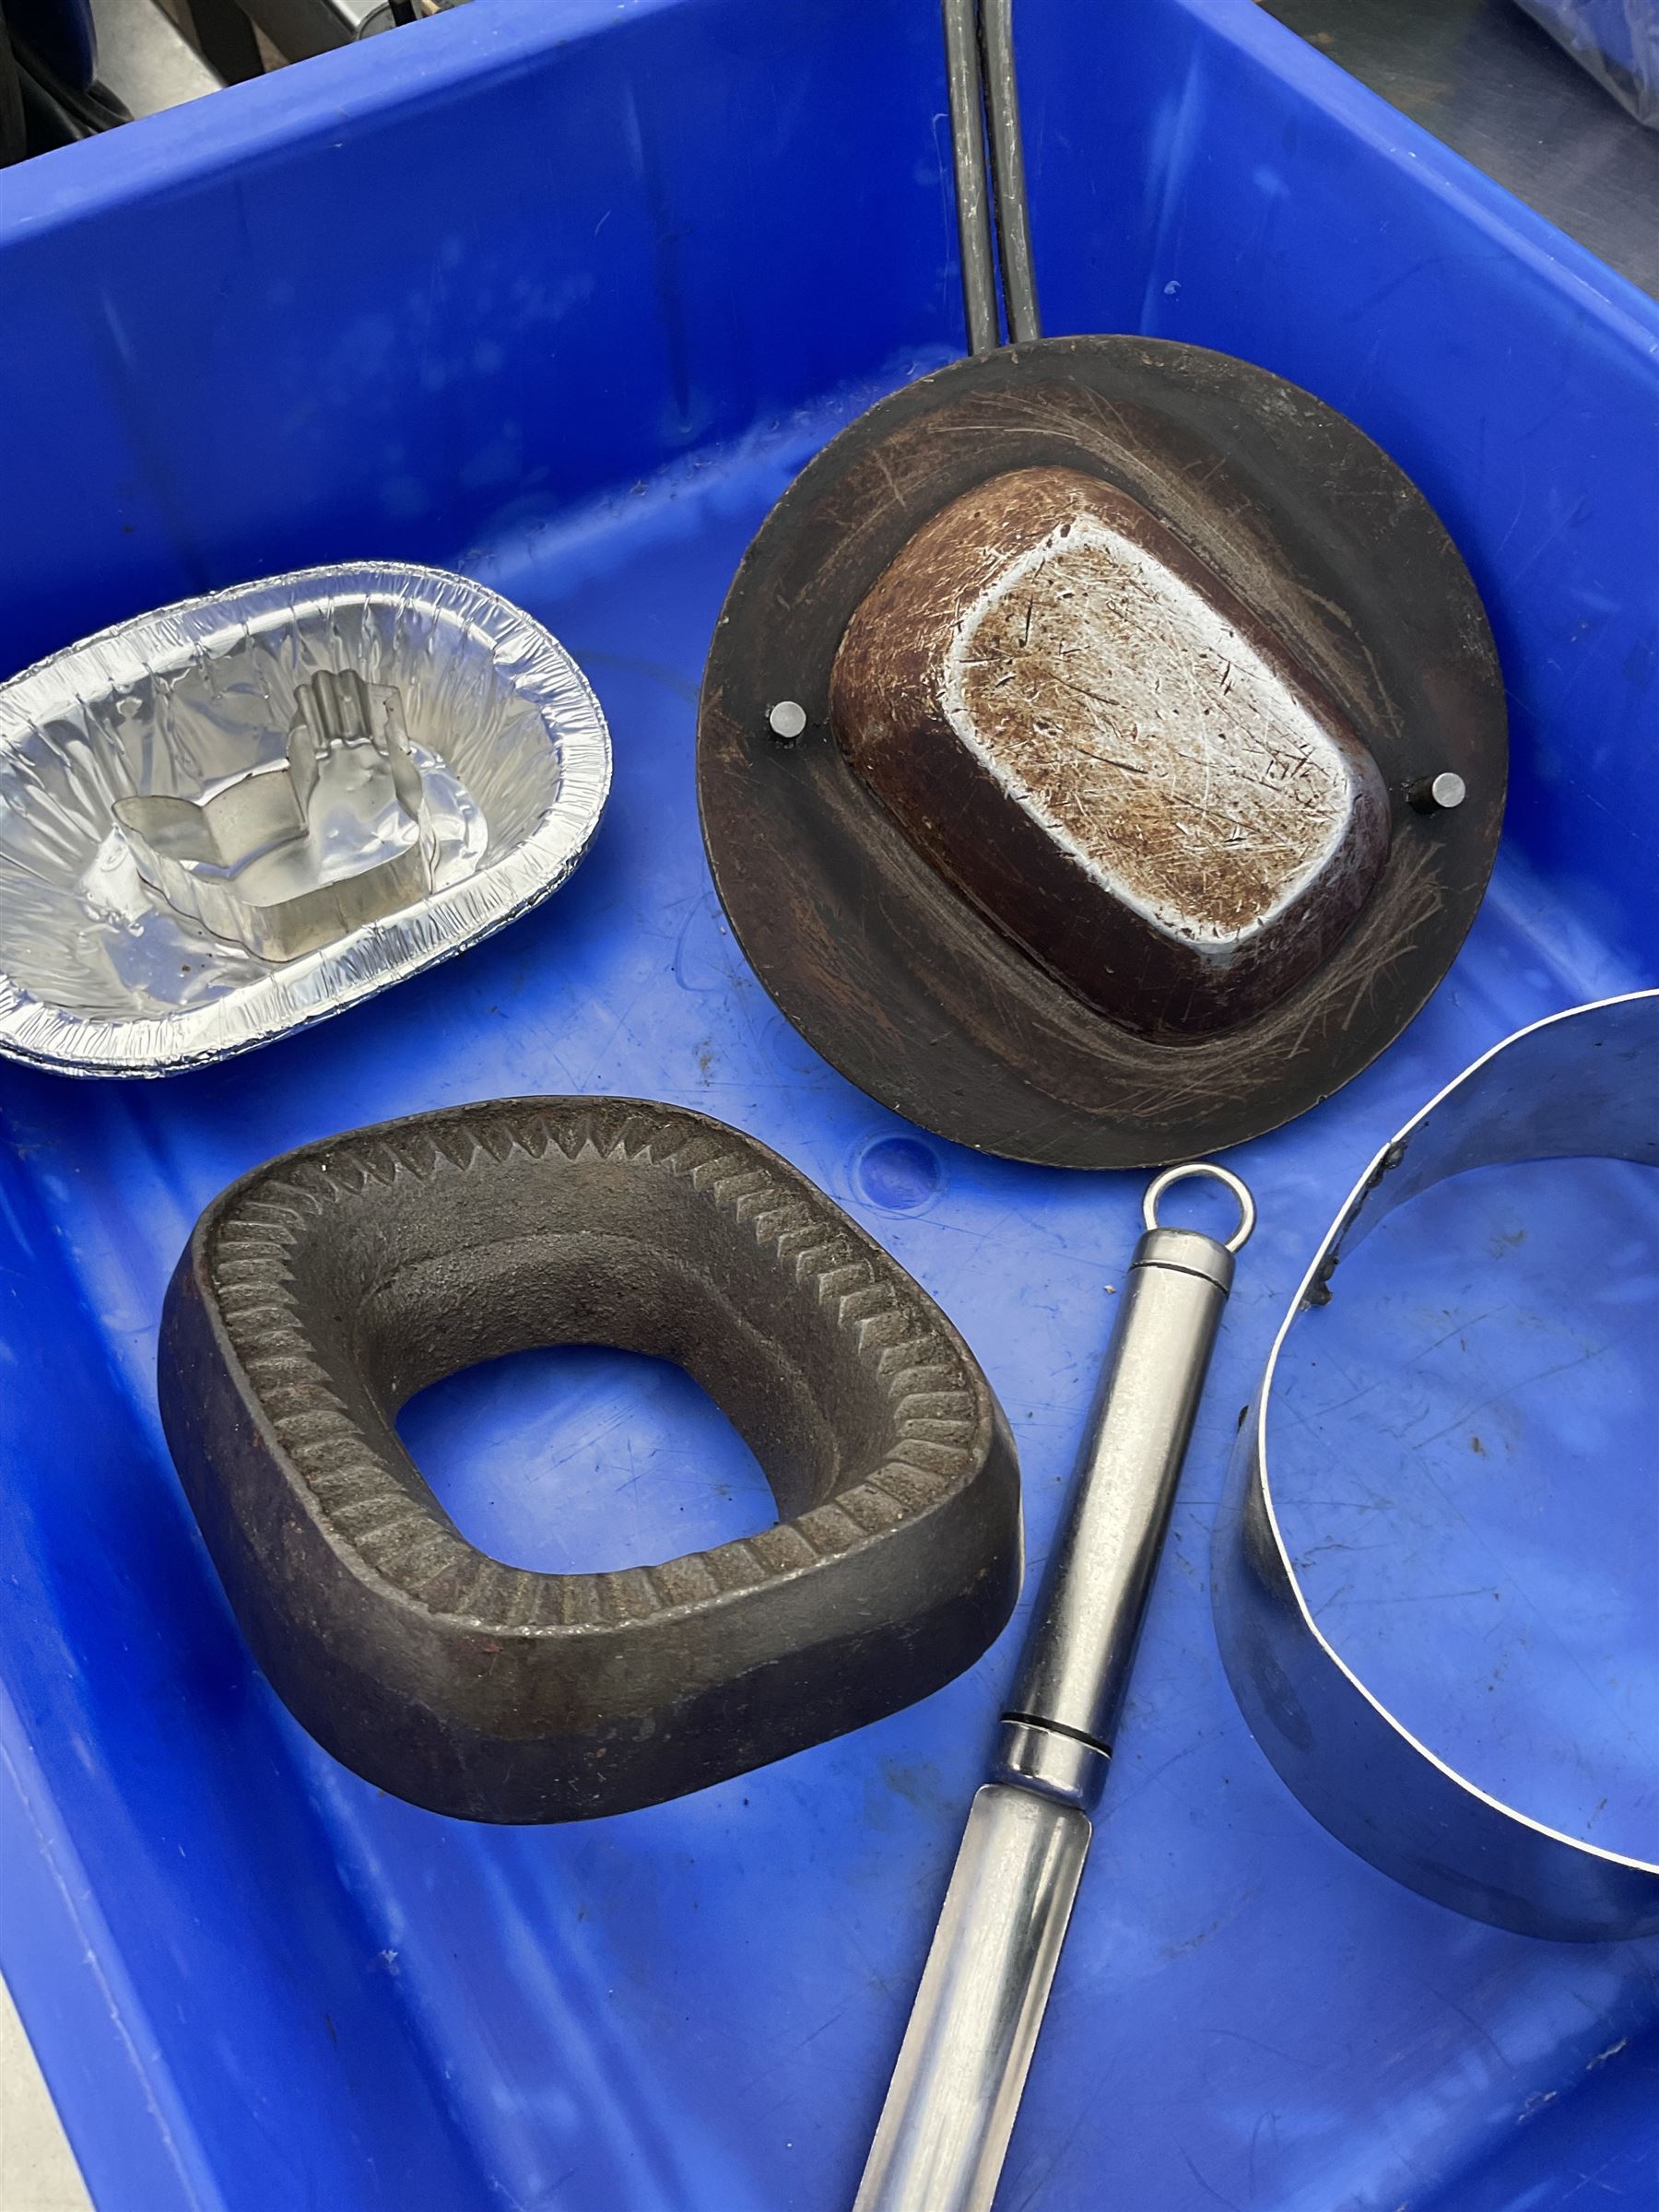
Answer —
1581 1084
1194 1169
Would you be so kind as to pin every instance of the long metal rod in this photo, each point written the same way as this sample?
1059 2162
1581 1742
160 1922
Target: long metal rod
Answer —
967 150
955 2088
1007 170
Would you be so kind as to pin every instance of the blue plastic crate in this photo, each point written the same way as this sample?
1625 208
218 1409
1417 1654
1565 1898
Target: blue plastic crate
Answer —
561 293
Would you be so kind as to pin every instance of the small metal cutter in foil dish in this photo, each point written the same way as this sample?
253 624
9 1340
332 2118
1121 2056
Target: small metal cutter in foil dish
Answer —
242 813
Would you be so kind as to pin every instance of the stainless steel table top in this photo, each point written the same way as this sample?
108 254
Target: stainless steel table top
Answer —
1498 89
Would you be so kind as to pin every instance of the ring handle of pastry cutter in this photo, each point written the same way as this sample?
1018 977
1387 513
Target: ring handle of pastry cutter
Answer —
1579 1084
1198 1171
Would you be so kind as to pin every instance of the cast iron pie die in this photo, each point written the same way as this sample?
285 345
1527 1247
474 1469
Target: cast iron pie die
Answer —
323 1291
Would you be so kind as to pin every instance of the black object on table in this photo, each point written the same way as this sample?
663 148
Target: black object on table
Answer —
320 1292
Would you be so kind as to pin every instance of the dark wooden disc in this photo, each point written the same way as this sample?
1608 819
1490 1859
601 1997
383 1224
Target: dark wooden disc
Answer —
888 970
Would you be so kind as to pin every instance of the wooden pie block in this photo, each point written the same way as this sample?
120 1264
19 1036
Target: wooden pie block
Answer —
1091 738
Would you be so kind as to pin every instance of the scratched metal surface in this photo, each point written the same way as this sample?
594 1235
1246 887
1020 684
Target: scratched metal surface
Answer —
257 1983
1052 637
1244 815
1494 86
1498 1472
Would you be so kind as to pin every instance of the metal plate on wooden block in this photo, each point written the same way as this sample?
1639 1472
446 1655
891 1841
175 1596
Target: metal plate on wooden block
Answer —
1058 749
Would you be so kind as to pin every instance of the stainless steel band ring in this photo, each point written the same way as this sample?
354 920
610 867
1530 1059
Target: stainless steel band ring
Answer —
1582 1083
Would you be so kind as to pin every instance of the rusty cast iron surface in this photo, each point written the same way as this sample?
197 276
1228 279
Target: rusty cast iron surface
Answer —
324 1289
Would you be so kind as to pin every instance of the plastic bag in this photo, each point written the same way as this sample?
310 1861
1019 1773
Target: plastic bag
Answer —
1615 40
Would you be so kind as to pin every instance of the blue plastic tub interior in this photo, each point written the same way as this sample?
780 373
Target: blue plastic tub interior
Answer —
561 293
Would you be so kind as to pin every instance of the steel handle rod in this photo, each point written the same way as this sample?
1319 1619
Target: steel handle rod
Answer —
1007 170
950 2108
985 130
967 153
